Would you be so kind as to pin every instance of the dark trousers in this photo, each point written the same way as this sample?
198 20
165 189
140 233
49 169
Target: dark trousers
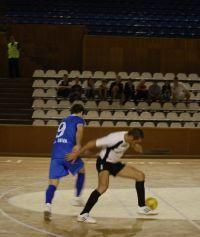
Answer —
13 66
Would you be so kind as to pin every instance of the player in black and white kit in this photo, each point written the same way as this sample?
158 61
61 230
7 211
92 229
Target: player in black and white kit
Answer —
113 147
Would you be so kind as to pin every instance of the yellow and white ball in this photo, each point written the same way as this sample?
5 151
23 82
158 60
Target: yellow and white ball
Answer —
152 203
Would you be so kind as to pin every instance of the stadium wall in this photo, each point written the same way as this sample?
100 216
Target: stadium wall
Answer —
37 140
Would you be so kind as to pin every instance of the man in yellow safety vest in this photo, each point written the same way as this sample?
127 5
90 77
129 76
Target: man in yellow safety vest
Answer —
13 57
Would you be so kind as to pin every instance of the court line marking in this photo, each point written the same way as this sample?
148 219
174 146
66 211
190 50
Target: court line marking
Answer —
20 222
175 208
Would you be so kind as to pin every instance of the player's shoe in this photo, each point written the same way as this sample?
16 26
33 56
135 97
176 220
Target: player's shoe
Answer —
78 202
86 218
146 211
47 212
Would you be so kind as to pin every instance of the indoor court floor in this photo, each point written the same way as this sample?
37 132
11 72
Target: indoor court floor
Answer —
174 182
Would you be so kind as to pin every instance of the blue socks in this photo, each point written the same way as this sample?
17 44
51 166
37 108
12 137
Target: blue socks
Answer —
50 193
80 183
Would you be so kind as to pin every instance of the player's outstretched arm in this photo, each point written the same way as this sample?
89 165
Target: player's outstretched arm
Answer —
74 155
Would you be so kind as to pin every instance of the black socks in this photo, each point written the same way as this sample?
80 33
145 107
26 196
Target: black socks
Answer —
94 196
139 185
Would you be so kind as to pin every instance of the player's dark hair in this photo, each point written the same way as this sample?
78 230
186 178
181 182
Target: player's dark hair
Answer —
136 133
77 108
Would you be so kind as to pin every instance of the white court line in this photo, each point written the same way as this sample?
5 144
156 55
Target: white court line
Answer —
20 222
176 209
28 226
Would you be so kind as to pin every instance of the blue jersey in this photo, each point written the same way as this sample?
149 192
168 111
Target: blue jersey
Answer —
65 138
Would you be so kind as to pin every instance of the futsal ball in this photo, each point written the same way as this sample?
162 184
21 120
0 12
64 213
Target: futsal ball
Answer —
152 203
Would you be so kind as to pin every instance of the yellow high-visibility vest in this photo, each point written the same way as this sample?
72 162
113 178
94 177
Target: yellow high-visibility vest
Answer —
13 51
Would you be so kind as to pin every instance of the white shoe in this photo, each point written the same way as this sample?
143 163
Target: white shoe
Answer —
78 202
47 212
86 218
146 211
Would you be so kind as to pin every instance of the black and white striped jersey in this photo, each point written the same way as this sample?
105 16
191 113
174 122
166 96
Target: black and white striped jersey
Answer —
113 146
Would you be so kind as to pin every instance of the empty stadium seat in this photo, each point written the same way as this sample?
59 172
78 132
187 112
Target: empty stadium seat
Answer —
123 75
106 115
193 76
38 83
39 113
143 105
51 104
51 93
158 116
181 106
135 124
39 93
132 115
182 76
121 124
91 105
175 125
155 106
94 124
86 74
157 76
195 86
149 124
172 116
98 74
104 105
168 106
162 125
169 76
50 73
134 75
38 103
52 113
52 123
107 124
64 113
189 125
146 75
38 122
38 73
196 117
64 104
119 115
51 83
129 105
74 73
185 116
91 115
110 75
145 116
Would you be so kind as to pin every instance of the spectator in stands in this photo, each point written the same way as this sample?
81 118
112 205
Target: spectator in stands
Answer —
154 92
103 90
116 88
63 87
179 91
142 91
129 90
166 91
75 91
13 57
90 89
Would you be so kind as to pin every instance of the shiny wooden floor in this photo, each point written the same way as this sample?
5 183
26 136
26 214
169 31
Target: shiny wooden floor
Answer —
174 182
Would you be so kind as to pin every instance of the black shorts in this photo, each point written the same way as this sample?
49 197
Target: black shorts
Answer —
113 168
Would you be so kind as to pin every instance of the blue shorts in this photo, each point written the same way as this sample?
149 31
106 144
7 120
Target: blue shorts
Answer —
61 167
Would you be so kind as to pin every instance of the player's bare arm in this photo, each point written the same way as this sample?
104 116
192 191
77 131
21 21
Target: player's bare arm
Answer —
79 137
73 156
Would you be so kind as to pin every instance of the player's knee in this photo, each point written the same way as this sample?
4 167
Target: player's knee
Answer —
140 176
102 189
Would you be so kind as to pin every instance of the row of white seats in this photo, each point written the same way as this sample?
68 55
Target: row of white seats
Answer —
120 115
53 93
123 124
113 75
63 104
51 83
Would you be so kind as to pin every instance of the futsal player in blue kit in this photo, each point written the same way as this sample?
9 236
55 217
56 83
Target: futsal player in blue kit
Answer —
68 139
